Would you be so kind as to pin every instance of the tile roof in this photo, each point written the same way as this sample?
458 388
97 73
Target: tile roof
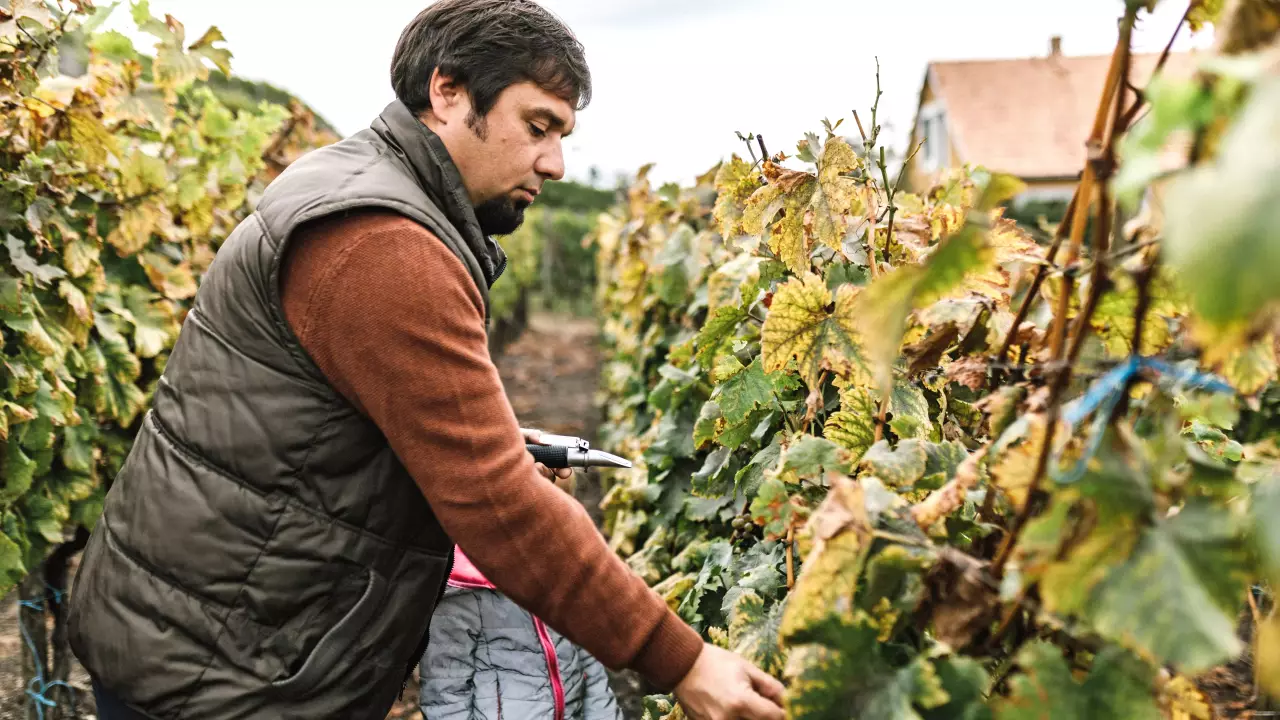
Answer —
1030 116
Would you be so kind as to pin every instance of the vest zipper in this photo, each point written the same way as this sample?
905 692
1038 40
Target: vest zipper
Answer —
425 642
553 666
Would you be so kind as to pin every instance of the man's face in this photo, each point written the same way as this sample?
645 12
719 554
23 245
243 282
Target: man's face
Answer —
505 156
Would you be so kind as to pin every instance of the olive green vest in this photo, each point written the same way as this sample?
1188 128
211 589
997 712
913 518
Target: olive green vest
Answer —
263 553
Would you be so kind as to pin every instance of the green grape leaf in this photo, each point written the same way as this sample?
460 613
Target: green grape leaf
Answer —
1265 508
751 477
715 478
746 390
710 578
1188 570
910 411
753 632
804 324
1219 219
12 569
883 308
19 471
1118 688
43 275
898 467
772 508
965 683
810 457
10 294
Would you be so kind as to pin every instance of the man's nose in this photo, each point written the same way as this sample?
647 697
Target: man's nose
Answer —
550 164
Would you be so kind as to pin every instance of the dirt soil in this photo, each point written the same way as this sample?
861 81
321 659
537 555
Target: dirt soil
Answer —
550 374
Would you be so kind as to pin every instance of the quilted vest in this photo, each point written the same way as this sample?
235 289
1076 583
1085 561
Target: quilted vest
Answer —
262 552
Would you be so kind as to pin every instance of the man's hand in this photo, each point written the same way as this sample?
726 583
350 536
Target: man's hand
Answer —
563 477
723 686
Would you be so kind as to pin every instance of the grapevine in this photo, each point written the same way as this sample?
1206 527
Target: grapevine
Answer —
917 464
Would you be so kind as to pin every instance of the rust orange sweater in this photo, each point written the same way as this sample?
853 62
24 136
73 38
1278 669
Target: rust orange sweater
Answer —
396 324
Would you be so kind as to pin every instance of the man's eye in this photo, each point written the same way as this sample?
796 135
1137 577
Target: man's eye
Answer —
537 131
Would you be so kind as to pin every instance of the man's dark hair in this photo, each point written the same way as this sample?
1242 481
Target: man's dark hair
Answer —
487 46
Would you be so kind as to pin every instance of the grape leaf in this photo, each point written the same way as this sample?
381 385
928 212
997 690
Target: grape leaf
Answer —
1265 508
828 683
42 274
750 477
898 467
883 308
910 411
965 683
773 509
1188 570
19 471
715 478
853 427
1220 216
836 196
1251 368
735 182
804 324
724 285
753 632
12 569
706 427
840 531
743 392
810 456
1118 688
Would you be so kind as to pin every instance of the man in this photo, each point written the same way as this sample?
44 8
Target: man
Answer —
330 422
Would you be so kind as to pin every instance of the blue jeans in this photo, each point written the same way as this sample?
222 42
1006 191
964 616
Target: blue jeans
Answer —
111 707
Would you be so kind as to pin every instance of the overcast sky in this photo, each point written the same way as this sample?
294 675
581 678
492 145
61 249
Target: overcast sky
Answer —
673 79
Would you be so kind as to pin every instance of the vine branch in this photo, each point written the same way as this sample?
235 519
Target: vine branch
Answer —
1098 170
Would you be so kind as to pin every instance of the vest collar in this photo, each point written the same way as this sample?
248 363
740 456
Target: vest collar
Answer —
439 177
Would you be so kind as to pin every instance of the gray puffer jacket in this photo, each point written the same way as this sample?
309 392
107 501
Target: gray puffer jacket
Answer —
489 659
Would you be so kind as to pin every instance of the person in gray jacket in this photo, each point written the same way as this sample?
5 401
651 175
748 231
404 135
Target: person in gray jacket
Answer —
489 658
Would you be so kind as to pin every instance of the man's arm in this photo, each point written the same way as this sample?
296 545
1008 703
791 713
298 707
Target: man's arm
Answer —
395 322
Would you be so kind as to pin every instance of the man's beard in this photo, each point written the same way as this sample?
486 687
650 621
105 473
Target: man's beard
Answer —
500 216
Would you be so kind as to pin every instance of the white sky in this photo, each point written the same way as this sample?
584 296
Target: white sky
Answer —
673 79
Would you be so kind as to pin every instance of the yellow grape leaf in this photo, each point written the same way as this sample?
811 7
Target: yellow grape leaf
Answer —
89 138
1180 699
204 47
1014 465
735 182
1250 369
882 310
839 530
137 223
788 191
141 173
1006 245
174 280
836 196
854 425
760 208
1268 656
804 324
1113 318
1203 13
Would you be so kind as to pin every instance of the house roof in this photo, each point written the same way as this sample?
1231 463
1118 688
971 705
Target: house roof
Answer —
1031 116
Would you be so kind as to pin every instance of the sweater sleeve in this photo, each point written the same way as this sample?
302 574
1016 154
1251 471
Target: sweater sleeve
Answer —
395 322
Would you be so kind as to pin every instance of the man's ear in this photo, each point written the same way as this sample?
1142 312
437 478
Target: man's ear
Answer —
449 99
